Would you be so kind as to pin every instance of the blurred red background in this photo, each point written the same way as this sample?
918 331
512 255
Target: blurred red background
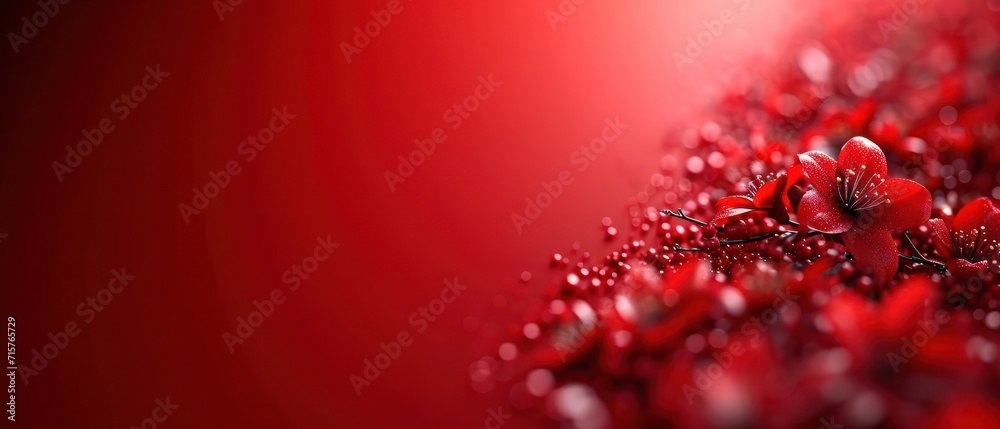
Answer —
323 175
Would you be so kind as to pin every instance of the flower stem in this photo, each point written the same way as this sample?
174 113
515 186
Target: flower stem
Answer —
680 214
754 239
812 231
942 268
919 257
678 248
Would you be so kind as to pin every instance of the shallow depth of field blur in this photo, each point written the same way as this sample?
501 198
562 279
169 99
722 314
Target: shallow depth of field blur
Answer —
523 151
665 330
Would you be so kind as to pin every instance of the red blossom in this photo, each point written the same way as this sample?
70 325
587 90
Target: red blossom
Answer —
970 240
853 196
686 323
764 195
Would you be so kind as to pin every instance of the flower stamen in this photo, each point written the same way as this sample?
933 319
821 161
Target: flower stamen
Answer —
862 192
975 246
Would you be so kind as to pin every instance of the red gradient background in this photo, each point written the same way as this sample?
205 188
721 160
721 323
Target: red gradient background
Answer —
323 175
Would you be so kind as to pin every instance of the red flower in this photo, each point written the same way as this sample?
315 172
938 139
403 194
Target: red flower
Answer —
765 195
970 240
852 196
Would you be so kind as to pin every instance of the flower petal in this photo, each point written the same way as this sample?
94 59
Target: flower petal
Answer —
905 307
963 269
795 174
822 172
734 202
771 196
853 324
770 193
909 206
978 213
875 248
860 152
793 196
766 194
720 217
945 245
822 213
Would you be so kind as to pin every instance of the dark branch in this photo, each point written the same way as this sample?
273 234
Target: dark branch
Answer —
753 239
680 214
678 248
942 268
919 257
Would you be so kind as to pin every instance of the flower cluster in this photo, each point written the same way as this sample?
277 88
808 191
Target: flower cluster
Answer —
849 209
850 200
828 255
